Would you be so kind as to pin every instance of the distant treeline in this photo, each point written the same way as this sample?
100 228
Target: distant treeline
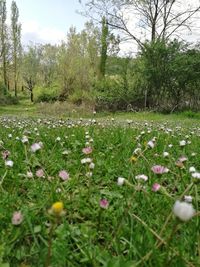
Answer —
86 68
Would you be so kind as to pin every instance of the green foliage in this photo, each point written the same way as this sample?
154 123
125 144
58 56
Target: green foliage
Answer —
167 74
47 97
111 94
191 114
78 61
104 47
5 97
79 97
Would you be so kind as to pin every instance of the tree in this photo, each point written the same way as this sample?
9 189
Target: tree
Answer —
140 20
79 61
16 42
31 68
49 64
104 47
3 41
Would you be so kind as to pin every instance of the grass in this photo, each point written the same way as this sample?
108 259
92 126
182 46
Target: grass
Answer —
137 228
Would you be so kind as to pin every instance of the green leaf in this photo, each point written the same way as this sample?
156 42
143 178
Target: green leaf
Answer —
37 229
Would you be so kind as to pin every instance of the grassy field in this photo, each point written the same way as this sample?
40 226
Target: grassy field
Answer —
111 190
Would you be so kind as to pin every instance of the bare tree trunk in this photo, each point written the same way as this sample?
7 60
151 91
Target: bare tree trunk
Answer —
31 90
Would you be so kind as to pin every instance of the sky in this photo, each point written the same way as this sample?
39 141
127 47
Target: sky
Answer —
48 21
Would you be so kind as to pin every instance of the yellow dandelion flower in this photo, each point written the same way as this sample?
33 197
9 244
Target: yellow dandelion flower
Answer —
133 159
57 208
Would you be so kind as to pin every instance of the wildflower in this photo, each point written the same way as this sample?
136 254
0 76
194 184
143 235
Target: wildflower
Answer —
66 152
165 154
141 177
58 139
88 174
92 165
151 144
182 143
179 164
192 169
39 173
188 199
86 160
183 210
104 203
9 163
196 175
121 181
133 159
183 159
57 208
87 150
64 175
156 187
24 139
158 169
5 154
29 174
35 147
17 218
58 190
137 151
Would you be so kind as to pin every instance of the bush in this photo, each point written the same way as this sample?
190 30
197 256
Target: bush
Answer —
5 97
46 97
3 89
80 97
111 94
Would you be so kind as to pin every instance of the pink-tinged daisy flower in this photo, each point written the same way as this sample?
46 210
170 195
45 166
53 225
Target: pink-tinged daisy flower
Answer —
5 154
158 169
156 187
87 150
40 173
35 147
64 175
183 159
104 203
17 218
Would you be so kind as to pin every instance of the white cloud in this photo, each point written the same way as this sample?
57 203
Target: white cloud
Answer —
33 32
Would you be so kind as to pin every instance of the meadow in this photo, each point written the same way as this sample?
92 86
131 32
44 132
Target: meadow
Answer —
119 191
